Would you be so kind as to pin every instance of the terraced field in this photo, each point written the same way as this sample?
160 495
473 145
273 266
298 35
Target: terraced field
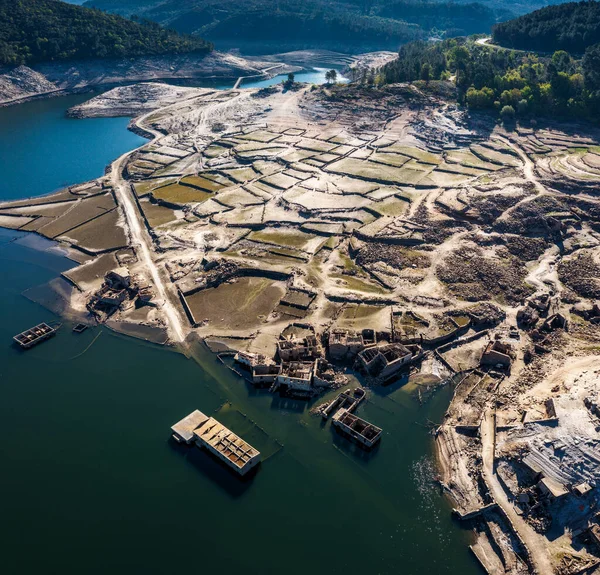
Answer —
418 211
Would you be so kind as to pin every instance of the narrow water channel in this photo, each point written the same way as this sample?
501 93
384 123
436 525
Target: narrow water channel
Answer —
90 483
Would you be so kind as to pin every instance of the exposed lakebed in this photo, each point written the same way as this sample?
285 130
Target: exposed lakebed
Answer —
90 479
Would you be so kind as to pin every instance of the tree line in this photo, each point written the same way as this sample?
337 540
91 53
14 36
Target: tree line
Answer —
572 27
513 83
33 31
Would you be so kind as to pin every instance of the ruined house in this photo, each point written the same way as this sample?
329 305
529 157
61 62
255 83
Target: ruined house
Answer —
551 488
264 370
357 429
323 374
265 373
594 532
343 344
385 361
298 349
110 297
144 290
118 290
296 376
497 354
582 489
527 316
118 278
556 321
248 359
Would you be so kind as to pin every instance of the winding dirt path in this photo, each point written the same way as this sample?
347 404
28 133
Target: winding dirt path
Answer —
529 166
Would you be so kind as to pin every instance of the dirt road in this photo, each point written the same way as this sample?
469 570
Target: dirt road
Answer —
142 242
529 166
140 238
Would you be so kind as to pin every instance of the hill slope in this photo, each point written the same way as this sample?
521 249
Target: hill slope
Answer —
34 31
345 25
572 27
515 82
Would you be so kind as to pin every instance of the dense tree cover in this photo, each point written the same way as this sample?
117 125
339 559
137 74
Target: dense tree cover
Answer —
452 18
572 27
334 30
507 81
33 31
349 25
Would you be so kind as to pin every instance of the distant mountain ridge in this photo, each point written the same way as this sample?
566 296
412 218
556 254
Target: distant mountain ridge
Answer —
344 25
35 31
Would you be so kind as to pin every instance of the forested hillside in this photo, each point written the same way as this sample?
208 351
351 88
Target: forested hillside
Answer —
513 83
453 18
348 25
572 27
33 31
336 31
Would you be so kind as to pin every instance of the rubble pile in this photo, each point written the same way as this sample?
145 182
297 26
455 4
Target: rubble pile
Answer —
582 274
472 276
530 218
395 256
484 314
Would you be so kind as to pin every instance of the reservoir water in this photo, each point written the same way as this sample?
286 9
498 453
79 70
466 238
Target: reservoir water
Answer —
90 483
313 76
41 150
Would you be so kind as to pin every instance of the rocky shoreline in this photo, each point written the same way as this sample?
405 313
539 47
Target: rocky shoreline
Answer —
22 84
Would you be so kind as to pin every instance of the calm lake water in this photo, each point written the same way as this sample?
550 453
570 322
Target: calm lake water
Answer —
90 483
41 150
314 76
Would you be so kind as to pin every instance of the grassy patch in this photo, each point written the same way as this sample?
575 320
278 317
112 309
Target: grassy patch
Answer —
240 305
103 233
283 237
354 283
145 187
280 181
202 183
157 215
389 159
415 153
392 207
214 151
242 175
259 136
376 172
315 145
179 194
359 311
